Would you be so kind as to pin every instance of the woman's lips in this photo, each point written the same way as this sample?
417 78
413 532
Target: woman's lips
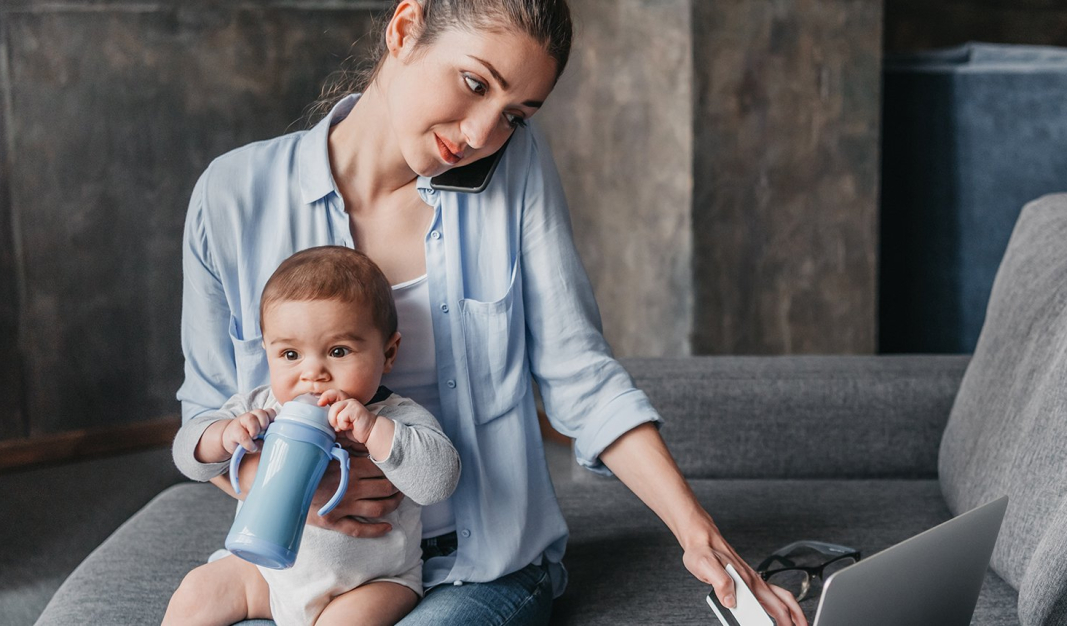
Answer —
449 155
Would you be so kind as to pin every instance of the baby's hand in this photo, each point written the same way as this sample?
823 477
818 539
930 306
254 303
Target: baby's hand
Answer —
348 415
242 430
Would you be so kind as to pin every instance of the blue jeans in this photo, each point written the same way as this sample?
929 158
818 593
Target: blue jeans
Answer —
523 598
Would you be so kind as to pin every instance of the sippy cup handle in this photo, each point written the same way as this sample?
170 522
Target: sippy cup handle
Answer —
235 462
341 455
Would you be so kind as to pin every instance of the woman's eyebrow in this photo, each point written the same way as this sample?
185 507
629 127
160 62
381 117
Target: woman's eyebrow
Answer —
533 104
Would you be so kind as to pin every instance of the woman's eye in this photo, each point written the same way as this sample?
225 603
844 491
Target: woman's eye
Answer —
290 355
339 352
515 121
474 84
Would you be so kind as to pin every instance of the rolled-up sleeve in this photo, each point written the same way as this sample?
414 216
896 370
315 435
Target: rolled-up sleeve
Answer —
587 393
210 370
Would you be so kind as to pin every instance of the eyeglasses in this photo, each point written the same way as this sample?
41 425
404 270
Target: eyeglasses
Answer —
784 568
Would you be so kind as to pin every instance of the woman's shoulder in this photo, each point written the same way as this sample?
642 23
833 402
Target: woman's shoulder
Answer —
253 164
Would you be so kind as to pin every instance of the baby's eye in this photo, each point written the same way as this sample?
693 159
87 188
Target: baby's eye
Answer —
290 355
339 351
474 84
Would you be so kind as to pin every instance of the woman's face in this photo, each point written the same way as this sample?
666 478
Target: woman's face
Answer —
458 99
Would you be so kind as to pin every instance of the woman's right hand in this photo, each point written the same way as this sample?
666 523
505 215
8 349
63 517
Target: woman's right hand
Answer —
369 497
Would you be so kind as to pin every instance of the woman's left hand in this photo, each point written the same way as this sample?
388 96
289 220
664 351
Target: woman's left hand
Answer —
707 561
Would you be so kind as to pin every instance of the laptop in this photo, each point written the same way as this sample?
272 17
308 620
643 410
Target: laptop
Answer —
932 579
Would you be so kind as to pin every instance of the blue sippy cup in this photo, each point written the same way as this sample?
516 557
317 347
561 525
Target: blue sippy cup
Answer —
297 447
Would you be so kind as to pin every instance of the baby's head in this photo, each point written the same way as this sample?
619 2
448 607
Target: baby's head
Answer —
329 322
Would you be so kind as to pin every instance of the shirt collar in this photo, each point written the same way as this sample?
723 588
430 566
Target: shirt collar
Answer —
313 153
316 177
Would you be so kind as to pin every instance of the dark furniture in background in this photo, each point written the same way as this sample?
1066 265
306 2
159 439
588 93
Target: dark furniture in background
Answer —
969 135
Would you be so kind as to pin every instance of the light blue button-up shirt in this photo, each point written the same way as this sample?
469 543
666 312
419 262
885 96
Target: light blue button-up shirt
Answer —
510 300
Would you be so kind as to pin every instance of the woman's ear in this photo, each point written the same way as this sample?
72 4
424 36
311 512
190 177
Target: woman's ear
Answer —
404 28
391 348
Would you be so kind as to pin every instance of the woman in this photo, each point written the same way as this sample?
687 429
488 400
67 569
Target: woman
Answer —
490 291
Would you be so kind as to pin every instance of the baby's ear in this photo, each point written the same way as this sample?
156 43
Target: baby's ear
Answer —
392 346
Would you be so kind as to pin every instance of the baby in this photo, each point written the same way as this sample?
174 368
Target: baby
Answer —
329 327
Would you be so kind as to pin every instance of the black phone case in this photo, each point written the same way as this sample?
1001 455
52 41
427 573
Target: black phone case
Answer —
471 178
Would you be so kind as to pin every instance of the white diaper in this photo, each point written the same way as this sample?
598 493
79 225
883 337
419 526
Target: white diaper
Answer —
330 563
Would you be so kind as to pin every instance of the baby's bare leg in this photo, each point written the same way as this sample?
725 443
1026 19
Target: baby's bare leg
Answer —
221 592
378 603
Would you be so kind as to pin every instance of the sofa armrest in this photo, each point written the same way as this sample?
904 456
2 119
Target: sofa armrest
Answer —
803 416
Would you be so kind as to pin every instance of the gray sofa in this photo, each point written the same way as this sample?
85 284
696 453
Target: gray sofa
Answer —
864 451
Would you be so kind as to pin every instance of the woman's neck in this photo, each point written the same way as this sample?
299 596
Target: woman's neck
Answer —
365 159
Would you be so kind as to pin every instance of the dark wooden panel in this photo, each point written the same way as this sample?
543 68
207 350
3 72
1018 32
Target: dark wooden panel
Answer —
12 418
785 176
912 25
78 445
115 110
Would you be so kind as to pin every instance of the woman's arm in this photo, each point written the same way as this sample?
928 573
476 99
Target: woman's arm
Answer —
589 396
640 459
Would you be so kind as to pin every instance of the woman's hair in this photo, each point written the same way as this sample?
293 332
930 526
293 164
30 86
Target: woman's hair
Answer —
548 22
333 273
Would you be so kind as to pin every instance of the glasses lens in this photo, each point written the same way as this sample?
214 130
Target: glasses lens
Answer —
836 566
792 580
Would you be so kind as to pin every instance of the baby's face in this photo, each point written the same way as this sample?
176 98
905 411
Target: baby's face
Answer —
316 345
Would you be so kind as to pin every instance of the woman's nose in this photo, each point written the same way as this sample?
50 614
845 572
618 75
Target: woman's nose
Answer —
479 127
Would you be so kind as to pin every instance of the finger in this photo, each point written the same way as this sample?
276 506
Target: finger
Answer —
246 442
355 528
265 418
794 607
362 468
366 509
710 570
331 415
329 397
255 422
771 603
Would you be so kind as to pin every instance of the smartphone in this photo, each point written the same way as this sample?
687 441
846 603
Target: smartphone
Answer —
746 612
471 178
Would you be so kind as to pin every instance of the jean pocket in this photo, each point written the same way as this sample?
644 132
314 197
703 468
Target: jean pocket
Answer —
250 359
494 334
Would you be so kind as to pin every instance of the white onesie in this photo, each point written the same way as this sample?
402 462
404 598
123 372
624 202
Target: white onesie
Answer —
422 464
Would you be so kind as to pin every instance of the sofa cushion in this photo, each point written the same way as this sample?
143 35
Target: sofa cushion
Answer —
802 416
1007 432
625 567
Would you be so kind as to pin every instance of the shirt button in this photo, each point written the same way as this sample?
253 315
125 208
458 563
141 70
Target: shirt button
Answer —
451 384
466 533
444 308
435 234
458 583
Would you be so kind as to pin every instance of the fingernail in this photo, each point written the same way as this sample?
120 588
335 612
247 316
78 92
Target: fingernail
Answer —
728 602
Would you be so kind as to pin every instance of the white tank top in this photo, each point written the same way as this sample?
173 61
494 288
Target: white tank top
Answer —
414 375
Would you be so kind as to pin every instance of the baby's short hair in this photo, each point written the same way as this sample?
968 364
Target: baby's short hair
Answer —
333 273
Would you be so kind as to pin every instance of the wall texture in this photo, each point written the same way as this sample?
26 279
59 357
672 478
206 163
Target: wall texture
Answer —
785 175
620 123
112 111
719 157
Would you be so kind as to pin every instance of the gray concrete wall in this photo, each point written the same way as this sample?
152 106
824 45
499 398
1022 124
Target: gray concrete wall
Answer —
112 109
785 175
620 124
719 158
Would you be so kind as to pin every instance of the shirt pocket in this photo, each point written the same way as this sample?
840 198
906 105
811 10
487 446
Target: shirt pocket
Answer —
250 360
495 340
